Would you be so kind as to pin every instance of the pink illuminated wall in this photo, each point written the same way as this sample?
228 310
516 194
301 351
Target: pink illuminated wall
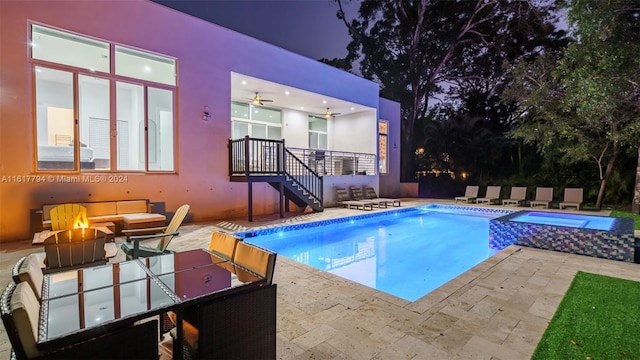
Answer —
207 54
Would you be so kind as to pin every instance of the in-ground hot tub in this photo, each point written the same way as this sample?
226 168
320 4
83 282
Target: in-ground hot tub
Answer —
570 220
598 236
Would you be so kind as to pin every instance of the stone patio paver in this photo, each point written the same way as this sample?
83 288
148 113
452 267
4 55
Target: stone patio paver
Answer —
498 310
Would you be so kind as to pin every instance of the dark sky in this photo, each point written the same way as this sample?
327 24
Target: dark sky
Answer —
306 27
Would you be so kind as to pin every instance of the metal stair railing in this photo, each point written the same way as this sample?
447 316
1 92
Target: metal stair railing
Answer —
303 176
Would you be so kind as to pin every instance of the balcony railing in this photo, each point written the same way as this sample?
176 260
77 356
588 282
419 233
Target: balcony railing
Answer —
256 157
329 162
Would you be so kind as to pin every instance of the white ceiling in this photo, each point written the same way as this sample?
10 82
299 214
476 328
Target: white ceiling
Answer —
244 89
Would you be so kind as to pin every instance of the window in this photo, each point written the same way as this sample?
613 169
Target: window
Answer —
86 113
383 133
317 132
69 49
145 66
256 121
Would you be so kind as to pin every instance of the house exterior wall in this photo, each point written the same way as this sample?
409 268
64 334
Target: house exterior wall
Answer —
207 54
390 182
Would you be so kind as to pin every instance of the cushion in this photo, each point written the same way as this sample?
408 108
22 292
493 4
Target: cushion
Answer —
253 258
189 331
25 310
30 271
105 218
143 218
101 208
131 206
223 244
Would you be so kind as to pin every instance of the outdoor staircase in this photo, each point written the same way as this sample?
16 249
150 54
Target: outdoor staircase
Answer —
297 194
261 160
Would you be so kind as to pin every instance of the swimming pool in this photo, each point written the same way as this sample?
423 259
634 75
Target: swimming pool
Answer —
407 253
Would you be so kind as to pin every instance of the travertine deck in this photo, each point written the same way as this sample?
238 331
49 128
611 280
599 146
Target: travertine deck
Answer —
497 310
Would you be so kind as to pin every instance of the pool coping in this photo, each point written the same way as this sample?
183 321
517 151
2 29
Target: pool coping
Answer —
456 209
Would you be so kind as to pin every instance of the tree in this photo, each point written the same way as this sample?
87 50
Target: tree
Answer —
583 104
418 48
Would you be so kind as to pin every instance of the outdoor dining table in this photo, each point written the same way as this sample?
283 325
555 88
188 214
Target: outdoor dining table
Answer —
80 304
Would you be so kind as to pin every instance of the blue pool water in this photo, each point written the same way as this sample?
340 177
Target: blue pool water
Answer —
570 220
406 253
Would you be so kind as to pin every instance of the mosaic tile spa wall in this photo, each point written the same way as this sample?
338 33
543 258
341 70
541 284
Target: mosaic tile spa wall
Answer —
615 244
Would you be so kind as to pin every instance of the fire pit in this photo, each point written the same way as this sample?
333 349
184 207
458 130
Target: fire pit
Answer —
74 248
105 228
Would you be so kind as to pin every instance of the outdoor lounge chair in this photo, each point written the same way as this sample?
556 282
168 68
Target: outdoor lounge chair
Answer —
544 196
356 194
572 197
65 216
518 195
342 197
132 248
370 194
470 194
492 195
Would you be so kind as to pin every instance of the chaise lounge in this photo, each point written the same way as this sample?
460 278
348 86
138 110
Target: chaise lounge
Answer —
518 196
572 198
544 196
492 195
343 198
470 194
370 194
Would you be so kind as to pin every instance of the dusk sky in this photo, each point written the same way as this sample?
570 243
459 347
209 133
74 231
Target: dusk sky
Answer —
306 27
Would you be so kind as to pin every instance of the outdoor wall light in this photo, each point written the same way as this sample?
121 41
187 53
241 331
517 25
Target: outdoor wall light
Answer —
206 115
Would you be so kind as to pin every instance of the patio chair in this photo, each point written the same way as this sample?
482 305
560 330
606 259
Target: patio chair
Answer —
492 195
370 194
470 194
29 269
357 195
572 198
223 245
132 248
20 314
544 196
247 258
517 197
65 216
345 200
255 259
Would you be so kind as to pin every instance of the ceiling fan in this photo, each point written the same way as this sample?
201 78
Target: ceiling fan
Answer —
258 100
329 114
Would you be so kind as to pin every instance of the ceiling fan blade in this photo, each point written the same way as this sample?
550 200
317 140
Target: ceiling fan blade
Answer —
258 100
329 114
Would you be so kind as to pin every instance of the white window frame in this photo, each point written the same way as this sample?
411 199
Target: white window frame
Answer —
112 77
250 122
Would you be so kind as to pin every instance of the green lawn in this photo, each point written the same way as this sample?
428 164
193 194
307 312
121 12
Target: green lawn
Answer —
598 318
626 214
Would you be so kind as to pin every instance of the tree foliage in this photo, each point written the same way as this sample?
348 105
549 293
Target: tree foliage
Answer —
582 104
418 49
